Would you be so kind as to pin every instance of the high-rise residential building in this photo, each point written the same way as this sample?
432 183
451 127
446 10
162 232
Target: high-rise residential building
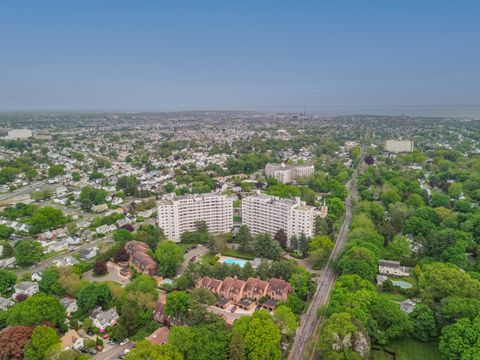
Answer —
177 215
267 214
288 173
16 134
399 146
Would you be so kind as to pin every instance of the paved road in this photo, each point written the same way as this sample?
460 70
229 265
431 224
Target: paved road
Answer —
26 190
113 353
325 280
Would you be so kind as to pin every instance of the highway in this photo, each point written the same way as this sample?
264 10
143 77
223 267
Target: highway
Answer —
325 280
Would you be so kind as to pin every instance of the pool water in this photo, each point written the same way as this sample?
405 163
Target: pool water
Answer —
402 284
234 261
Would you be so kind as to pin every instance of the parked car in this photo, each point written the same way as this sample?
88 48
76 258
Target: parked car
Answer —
123 342
106 336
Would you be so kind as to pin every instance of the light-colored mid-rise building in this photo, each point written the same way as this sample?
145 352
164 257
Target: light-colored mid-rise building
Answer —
177 215
267 214
288 173
399 146
17 134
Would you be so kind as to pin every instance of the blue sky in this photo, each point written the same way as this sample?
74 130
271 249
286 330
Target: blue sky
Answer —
173 55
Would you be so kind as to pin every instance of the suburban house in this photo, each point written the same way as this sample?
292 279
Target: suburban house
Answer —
278 289
65 261
407 306
100 208
7 262
69 304
159 336
255 289
72 340
245 294
87 254
103 319
5 303
28 288
36 276
139 257
390 267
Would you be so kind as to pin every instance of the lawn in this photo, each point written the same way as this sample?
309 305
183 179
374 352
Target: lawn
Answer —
408 349
209 259
237 254
392 297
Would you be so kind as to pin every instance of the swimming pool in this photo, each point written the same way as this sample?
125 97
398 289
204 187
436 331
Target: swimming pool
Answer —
402 284
233 261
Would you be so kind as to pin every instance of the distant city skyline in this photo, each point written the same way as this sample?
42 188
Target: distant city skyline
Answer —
344 57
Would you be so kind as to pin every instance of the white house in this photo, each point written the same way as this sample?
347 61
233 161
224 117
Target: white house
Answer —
36 276
86 254
28 288
103 319
58 246
69 304
66 261
72 340
390 267
5 303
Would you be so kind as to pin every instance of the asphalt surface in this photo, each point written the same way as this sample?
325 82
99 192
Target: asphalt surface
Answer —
325 280
113 353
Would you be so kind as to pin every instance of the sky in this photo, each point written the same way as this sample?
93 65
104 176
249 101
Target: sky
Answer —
234 55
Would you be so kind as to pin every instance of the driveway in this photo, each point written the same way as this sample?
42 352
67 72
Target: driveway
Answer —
198 252
112 275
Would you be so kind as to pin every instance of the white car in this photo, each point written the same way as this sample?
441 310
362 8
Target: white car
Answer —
123 342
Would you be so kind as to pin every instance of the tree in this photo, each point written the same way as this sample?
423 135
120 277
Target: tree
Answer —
93 295
100 268
46 218
398 248
303 242
43 338
342 337
202 342
424 325
415 201
7 249
437 281
455 190
122 236
319 250
5 231
286 319
7 280
358 260
460 340
260 335
27 252
439 200
145 350
266 247
244 238
169 256
237 347
203 296
281 238
55 170
178 303
128 184
390 322
121 255
369 160
453 308
49 283
89 197
13 340
301 281
37 309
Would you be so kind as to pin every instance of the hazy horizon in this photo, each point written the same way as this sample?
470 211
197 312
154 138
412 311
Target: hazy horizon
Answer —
261 56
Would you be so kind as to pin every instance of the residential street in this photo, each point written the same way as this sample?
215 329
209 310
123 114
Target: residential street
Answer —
326 279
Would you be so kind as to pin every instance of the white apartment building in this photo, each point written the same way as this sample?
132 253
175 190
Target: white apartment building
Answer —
177 215
399 146
288 173
267 214
18 134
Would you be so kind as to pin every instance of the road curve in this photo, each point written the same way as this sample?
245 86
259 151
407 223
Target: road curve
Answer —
326 278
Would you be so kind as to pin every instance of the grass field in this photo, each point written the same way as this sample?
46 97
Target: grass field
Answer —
392 297
408 349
